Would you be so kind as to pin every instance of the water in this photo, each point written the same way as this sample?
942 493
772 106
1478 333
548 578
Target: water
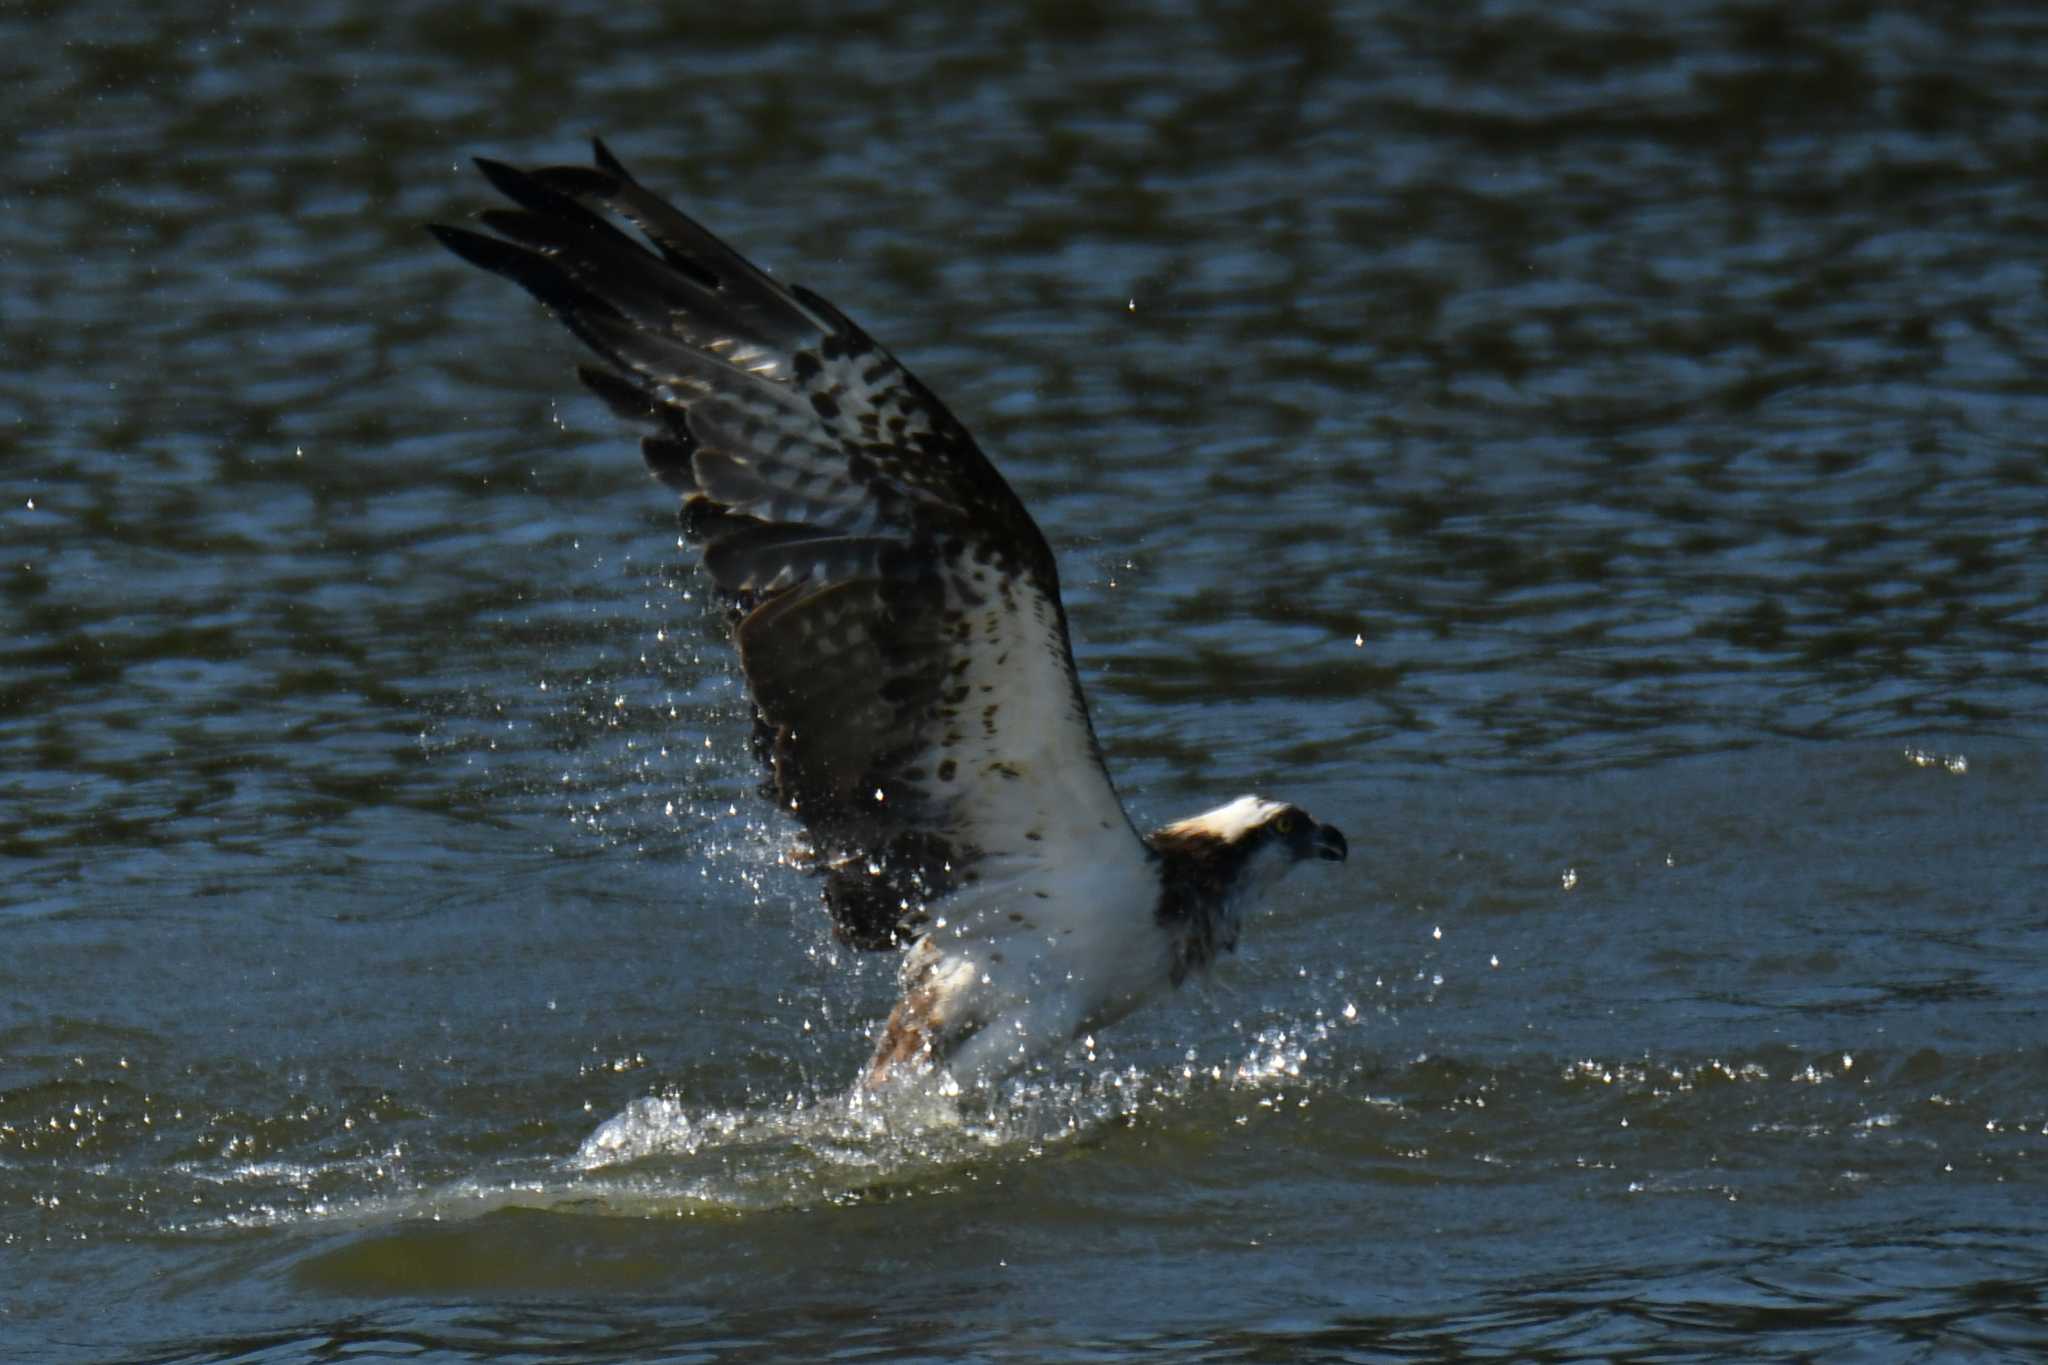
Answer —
1592 455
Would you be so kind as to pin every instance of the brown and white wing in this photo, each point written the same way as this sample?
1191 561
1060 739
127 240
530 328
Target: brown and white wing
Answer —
896 609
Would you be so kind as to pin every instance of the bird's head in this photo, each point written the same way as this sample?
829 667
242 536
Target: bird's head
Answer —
1253 841
1218 864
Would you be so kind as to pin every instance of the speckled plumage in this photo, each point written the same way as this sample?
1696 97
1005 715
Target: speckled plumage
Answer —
898 617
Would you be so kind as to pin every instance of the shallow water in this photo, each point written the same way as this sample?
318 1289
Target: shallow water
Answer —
1593 457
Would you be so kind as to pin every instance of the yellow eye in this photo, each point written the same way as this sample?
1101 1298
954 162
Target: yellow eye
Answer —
1287 823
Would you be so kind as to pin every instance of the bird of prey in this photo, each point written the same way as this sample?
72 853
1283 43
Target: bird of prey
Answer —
898 618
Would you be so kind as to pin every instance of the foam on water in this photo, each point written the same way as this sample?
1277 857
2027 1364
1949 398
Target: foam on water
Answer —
665 1155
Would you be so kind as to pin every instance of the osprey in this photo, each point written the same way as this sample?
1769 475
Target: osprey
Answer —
898 618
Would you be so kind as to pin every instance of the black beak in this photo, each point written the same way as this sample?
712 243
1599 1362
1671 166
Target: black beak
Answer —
1329 843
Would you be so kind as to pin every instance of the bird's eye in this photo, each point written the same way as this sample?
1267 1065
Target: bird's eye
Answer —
1287 823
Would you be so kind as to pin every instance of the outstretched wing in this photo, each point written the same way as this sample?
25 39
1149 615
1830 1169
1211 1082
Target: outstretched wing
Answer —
896 609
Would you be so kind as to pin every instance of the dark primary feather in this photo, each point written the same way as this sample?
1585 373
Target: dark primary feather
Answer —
874 558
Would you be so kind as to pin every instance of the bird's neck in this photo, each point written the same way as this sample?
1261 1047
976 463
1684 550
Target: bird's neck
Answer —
1199 903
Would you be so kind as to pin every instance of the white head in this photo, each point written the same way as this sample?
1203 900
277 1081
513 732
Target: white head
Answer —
1251 842
1219 863
1230 821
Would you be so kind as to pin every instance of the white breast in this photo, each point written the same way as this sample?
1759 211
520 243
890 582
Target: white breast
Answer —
1035 970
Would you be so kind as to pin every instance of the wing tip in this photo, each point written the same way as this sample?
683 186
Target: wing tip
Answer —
505 178
485 252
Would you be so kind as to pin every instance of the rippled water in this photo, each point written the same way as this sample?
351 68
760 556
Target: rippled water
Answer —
1590 453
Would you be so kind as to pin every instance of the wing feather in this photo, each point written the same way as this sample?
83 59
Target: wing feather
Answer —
896 610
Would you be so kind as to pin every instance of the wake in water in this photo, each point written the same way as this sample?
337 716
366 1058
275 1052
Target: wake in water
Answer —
664 1156
661 1150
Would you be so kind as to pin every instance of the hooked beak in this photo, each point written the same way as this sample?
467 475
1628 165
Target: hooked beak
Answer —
1329 843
